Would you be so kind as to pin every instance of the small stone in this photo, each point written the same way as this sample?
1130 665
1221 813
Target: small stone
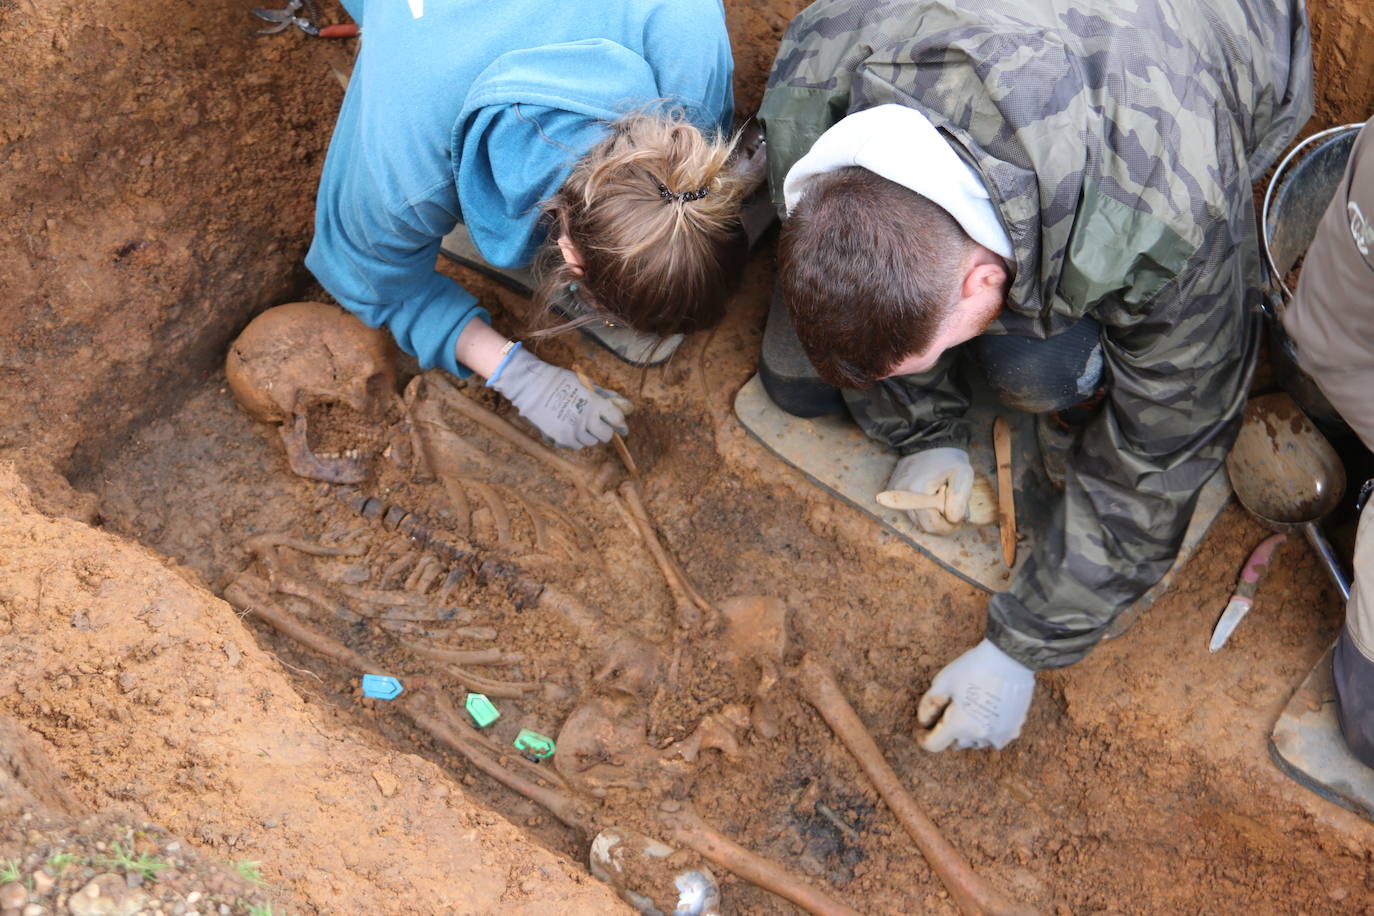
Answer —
42 882
33 909
107 895
12 896
386 782
193 896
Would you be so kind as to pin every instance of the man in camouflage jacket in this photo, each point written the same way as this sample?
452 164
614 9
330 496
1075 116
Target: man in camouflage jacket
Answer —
1118 141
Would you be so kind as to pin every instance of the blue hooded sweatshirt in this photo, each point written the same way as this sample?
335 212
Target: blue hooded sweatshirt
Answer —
476 111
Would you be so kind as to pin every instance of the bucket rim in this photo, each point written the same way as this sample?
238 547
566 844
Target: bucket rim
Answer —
1279 173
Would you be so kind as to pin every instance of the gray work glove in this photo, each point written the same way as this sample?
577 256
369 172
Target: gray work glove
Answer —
979 700
931 471
563 409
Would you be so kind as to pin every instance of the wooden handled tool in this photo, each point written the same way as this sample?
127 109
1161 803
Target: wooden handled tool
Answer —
1006 498
982 502
621 448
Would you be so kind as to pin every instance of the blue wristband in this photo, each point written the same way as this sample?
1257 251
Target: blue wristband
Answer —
500 367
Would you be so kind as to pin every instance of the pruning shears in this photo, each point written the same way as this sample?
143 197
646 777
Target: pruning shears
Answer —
283 19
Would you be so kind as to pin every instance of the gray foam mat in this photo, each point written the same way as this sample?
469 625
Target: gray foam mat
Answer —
835 454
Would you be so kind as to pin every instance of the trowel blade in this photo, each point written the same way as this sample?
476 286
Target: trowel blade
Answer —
1236 609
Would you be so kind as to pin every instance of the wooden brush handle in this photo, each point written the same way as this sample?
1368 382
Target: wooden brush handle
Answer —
908 501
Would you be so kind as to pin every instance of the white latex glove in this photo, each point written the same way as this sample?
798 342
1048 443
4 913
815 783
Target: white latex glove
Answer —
567 412
984 695
928 471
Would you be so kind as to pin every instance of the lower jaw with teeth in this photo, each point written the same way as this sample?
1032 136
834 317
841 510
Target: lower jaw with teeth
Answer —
332 467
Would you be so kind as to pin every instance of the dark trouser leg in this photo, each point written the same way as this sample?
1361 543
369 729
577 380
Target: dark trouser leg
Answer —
1048 378
788 376
1040 376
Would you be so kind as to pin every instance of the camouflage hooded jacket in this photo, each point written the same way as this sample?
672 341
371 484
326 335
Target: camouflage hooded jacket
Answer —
1118 140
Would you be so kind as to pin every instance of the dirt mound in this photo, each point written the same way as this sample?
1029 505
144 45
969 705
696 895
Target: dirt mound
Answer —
152 698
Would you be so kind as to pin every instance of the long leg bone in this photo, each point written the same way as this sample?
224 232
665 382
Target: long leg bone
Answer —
443 705
559 805
687 829
249 594
970 892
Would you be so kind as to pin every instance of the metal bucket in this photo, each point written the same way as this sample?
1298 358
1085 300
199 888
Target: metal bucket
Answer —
1297 197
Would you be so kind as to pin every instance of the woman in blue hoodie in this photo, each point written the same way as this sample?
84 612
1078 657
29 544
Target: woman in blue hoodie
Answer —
588 132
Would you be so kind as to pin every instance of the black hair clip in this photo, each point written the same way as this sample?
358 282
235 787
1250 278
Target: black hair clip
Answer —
684 196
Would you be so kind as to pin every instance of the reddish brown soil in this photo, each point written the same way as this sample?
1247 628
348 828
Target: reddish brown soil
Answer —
153 699
150 227
1343 57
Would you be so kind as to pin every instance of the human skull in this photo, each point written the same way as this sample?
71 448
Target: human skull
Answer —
309 360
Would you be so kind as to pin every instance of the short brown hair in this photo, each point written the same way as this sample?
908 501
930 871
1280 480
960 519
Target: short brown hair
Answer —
868 270
654 212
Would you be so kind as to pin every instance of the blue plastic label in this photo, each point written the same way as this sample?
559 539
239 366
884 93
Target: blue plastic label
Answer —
381 687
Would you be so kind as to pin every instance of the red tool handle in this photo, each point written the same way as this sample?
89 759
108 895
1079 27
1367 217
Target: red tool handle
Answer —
348 30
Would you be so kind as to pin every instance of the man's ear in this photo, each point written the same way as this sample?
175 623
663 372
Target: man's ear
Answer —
983 277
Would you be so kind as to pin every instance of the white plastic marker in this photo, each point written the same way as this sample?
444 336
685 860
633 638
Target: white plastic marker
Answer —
417 8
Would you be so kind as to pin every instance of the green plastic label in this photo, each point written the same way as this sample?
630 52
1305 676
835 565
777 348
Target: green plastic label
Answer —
481 710
534 744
